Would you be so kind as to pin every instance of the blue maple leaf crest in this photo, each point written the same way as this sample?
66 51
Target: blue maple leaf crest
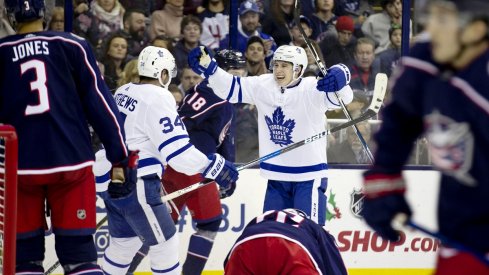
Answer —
280 129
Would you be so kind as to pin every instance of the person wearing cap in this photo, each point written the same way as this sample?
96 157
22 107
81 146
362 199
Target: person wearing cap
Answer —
390 57
297 39
323 20
341 49
249 25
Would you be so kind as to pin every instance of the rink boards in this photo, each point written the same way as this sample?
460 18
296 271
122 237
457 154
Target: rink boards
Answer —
362 250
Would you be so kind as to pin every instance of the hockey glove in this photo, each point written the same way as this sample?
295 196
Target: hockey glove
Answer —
124 176
384 199
201 62
338 76
223 172
228 191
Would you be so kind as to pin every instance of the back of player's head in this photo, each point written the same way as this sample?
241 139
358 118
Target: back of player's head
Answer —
230 59
153 60
21 11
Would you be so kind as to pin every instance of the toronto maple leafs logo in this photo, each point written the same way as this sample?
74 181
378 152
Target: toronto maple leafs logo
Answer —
280 129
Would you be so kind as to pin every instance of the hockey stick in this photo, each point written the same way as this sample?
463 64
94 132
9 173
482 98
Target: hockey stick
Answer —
401 220
57 263
373 109
322 68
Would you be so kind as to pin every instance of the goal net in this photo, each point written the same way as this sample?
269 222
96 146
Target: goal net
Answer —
8 198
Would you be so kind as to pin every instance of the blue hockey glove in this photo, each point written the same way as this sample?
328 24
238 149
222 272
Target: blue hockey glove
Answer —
124 176
384 199
201 62
223 172
338 76
228 191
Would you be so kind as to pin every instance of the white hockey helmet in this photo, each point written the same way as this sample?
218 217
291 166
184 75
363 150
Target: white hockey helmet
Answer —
293 54
153 60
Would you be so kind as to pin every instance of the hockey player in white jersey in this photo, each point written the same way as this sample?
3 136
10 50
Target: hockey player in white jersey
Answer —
290 109
136 213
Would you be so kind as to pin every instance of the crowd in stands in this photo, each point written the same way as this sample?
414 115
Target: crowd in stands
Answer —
363 34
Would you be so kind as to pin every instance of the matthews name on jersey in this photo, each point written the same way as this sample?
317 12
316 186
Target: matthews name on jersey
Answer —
49 108
291 114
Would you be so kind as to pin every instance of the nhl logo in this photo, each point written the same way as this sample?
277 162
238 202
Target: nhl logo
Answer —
356 203
81 214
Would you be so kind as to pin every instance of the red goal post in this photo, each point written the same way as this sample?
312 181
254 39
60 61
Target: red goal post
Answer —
8 198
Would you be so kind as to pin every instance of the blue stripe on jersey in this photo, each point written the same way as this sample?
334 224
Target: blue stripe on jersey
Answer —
240 93
170 140
147 162
104 178
232 89
178 152
114 263
293 170
329 99
165 270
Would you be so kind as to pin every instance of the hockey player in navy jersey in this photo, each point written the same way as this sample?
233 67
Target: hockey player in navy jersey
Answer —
208 120
137 216
284 242
290 109
441 90
50 87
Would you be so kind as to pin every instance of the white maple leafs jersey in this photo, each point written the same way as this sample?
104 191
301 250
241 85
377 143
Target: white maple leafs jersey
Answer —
285 116
154 127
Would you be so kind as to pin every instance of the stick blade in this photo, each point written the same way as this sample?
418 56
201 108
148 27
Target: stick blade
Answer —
379 92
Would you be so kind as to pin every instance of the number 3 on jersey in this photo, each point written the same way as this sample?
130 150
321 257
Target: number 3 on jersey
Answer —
168 125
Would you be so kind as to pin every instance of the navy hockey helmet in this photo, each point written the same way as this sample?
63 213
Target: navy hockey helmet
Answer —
230 59
20 11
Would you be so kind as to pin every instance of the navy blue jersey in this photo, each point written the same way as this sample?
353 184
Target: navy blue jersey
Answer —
318 243
208 119
50 89
452 109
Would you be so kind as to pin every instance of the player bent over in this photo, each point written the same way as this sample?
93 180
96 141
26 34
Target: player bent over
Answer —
50 86
208 120
290 109
441 90
284 242
137 215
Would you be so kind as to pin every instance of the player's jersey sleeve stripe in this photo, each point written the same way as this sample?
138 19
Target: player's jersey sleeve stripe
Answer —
331 101
178 152
293 170
170 140
231 91
240 91
419 64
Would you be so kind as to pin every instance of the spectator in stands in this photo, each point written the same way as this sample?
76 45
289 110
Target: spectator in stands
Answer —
135 31
114 54
249 16
359 10
5 28
341 49
163 41
323 21
390 57
297 39
146 6
103 18
191 30
215 22
350 151
277 24
255 57
129 73
167 21
312 66
188 79
364 69
177 94
377 25
57 21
